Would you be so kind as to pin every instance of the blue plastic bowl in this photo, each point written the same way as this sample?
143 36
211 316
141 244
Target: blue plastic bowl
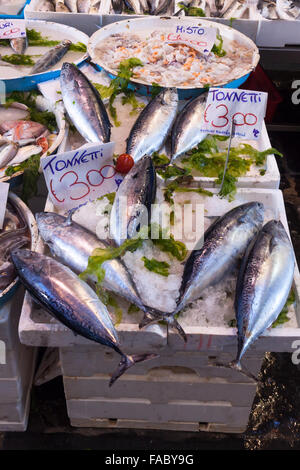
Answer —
20 16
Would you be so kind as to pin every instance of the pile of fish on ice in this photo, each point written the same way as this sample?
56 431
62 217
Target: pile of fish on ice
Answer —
138 7
261 254
227 9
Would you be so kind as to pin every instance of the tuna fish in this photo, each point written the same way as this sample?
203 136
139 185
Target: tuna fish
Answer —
152 127
263 285
84 105
51 57
185 131
72 302
72 244
132 205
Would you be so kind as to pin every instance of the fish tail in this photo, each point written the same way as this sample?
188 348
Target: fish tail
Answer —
236 365
150 318
128 361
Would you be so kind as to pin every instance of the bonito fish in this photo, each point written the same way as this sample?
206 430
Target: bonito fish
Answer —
72 244
263 285
84 105
151 128
185 132
51 57
72 302
132 205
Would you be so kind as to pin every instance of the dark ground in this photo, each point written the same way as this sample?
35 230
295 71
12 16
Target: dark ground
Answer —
275 418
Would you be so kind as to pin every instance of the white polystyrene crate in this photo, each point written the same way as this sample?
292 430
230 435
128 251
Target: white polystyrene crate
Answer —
87 361
279 33
38 328
271 178
17 372
88 23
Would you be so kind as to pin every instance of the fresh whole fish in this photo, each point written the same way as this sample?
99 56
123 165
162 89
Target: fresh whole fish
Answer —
72 302
22 130
132 205
152 127
84 105
60 7
263 285
19 45
72 244
139 7
51 57
117 6
185 132
71 5
7 152
45 5
13 112
225 241
233 9
83 6
288 10
159 6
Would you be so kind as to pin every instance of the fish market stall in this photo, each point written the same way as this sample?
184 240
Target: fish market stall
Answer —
17 362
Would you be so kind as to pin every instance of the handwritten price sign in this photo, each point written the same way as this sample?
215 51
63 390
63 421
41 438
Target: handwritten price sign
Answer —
84 174
10 29
246 108
200 38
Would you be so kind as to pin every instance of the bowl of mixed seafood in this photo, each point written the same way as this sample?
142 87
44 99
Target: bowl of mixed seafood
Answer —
229 63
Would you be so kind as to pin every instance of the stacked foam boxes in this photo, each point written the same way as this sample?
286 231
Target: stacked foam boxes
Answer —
16 368
180 390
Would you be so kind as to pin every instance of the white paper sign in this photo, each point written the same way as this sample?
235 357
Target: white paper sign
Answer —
81 175
10 29
246 107
198 37
4 187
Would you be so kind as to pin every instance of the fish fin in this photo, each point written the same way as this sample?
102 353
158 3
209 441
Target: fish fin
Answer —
237 366
149 318
70 215
129 361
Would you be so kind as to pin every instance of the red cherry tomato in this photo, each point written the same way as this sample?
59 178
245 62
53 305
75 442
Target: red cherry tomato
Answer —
43 142
124 163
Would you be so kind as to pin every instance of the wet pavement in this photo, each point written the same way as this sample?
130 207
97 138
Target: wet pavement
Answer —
274 422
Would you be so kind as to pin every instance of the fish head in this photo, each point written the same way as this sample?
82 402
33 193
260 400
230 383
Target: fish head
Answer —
26 260
47 223
66 43
254 213
68 71
169 96
277 231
